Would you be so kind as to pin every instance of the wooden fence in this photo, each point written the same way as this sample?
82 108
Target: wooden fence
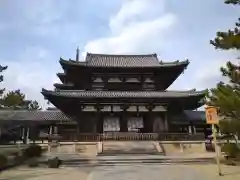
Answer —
118 136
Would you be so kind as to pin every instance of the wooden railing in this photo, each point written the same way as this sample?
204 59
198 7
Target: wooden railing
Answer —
118 136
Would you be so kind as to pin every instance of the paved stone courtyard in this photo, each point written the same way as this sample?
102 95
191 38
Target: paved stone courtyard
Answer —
146 171
118 170
123 172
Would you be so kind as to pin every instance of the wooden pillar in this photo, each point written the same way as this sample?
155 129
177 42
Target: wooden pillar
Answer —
190 129
55 130
165 122
194 130
51 130
24 135
123 122
34 132
148 123
100 123
27 135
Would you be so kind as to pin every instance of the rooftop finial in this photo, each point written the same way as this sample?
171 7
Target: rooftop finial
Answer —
77 54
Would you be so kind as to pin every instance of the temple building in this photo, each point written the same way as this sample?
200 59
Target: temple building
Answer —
112 93
125 93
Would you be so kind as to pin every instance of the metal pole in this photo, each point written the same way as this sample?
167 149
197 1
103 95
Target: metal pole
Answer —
216 150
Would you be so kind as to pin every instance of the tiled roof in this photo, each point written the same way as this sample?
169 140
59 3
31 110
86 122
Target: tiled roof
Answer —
127 61
122 94
122 60
61 76
56 115
63 85
189 116
33 115
195 115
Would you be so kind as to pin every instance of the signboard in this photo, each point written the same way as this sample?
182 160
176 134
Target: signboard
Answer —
211 115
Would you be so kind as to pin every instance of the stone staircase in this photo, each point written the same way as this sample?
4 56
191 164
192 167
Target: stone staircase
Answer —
130 147
136 159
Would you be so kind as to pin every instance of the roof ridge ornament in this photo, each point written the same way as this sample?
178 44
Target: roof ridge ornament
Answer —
77 54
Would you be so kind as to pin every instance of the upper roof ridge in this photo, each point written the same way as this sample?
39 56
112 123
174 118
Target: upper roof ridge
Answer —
124 61
124 55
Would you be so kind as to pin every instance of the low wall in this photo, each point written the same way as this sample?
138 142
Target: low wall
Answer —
185 147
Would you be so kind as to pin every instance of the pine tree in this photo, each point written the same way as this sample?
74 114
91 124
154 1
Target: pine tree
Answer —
2 68
226 96
16 100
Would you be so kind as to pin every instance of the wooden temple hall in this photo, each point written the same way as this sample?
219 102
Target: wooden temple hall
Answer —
122 93
118 93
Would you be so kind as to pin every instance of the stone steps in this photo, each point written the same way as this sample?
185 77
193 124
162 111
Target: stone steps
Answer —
117 161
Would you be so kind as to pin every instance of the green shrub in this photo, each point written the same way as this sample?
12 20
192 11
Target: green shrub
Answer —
54 162
18 158
33 151
231 150
3 161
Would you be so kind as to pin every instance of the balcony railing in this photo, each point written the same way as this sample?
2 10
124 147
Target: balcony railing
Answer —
118 136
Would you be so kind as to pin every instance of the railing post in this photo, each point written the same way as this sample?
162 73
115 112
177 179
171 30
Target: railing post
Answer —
181 147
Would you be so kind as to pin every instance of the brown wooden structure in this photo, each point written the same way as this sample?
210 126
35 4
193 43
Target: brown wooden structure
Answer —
125 92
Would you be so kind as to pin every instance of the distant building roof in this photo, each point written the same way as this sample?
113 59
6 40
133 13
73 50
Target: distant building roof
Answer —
33 115
195 115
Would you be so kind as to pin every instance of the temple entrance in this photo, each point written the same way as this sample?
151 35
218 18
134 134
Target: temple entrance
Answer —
117 124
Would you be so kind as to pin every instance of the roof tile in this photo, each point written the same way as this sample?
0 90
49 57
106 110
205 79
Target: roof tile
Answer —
125 61
107 60
33 115
123 94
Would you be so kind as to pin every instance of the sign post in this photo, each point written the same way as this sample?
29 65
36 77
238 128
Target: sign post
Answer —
212 118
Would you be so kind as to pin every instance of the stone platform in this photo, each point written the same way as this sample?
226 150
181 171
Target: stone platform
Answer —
130 147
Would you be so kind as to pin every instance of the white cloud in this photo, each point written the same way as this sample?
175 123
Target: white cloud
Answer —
138 27
30 75
209 74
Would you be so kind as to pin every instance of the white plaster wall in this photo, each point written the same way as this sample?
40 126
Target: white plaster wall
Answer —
135 123
111 124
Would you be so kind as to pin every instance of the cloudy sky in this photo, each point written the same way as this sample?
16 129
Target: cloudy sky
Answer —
34 34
